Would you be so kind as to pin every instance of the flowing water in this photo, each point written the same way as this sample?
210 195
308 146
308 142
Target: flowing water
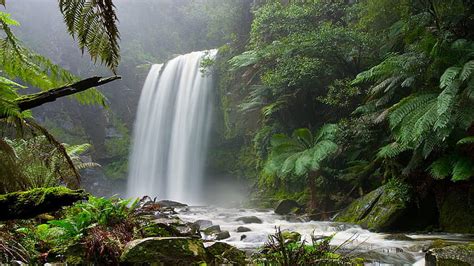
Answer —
375 247
171 130
170 142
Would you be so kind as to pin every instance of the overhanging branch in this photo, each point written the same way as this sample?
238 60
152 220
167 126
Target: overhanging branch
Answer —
34 100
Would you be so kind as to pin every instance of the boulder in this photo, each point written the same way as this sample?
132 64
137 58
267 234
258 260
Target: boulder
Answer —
287 206
165 250
202 224
188 230
398 237
242 229
451 255
222 235
249 220
456 214
380 210
215 229
223 253
171 204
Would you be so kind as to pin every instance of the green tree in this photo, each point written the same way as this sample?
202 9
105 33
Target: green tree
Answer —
301 156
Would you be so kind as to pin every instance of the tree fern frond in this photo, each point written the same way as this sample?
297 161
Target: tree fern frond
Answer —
467 71
463 169
441 168
449 76
82 166
326 132
407 105
304 135
466 140
392 150
94 23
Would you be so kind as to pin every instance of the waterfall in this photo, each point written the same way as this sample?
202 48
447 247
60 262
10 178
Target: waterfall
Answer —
171 130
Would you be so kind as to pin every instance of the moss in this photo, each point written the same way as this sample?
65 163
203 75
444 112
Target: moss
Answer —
167 250
28 204
457 212
451 255
380 209
220 253
358 209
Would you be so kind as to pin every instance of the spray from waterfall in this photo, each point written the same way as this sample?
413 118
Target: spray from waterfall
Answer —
171 130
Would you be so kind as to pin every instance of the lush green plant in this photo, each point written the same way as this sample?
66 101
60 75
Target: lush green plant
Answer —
97 228
38 162
301 155
283 249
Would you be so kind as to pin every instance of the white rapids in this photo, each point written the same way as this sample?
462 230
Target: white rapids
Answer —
375 247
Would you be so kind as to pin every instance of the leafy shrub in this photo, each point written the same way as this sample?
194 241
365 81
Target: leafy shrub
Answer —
98 228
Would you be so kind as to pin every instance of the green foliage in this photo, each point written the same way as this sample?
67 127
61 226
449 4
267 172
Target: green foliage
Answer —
282 250
79 218
19 62
94 24
39 162
301 153
118 147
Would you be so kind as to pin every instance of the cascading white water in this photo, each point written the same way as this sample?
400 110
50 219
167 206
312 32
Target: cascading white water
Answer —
171 131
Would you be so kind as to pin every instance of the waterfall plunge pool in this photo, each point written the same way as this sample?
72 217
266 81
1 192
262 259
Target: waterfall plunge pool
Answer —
377 248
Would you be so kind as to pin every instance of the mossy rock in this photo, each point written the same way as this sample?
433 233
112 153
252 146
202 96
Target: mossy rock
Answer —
28 204
287 206
291 236
380 210
458 255
358 209
221 253
166 250
457 212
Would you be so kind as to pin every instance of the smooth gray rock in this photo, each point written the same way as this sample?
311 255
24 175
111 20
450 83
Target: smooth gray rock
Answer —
222 235
242 229
249 220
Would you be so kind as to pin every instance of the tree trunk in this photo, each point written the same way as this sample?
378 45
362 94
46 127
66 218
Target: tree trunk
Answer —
31 203
313 203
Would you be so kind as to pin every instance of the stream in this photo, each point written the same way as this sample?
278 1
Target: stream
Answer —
376 248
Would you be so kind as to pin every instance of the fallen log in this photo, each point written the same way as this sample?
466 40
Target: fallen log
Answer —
31 203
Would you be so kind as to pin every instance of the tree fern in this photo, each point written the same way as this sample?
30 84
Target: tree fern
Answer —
463 169
407 105
19 62
467 71
94 24
441 168
466 140
301 153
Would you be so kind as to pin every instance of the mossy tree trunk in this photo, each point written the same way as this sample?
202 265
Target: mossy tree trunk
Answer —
29 204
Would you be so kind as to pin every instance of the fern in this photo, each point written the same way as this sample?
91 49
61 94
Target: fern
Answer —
94 24
301 153
407 105
463 169
467 71
449 76
466 140
392 150
19 62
